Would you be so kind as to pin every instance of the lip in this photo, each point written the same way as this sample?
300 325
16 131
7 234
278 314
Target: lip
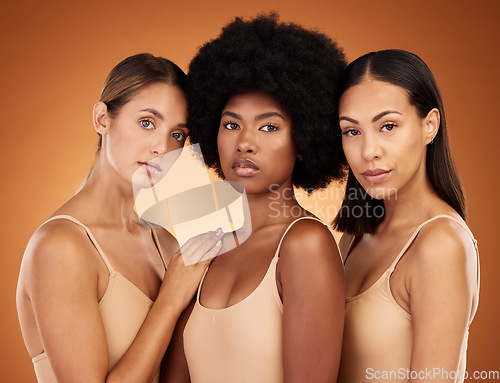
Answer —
151 167
375 176
244 167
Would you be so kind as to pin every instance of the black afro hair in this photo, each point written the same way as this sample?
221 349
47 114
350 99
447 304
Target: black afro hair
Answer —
299 68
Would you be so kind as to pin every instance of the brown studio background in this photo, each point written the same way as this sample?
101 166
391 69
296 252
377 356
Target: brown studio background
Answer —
55 55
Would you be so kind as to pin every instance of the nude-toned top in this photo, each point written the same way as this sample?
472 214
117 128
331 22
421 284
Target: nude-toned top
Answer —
241 343
378 331
123 308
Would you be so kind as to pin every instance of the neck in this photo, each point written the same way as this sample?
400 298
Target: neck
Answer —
412 204
111 196
277 205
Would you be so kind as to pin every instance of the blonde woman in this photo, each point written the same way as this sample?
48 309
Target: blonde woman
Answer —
91 301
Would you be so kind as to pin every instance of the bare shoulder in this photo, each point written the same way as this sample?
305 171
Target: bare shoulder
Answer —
58 247
309 266
444 247
442 275
444 240
308 238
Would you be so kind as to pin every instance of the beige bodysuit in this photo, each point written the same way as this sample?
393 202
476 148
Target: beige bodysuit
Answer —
123 308
241 343
378 332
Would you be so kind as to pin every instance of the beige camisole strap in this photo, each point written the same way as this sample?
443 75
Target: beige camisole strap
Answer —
412 238
241 343
123 308
378 332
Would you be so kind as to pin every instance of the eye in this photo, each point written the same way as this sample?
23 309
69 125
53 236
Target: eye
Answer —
269 128
388 127
231 126
178 136
350 132
147 124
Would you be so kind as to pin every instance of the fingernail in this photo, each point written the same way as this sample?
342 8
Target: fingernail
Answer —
218 231
218 243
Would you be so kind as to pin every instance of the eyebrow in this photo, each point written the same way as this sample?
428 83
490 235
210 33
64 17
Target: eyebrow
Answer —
231 114
267 115
257 118
345 118
154 112
380 115
374 119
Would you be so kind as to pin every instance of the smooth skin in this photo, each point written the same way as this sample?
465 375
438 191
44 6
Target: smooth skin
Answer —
436 280
63 277
310 276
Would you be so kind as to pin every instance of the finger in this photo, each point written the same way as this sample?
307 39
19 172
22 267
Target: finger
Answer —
205 246
203 252
202 246
193 241
212 253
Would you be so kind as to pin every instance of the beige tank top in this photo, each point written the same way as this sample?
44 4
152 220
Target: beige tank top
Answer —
378 332
123 308
241 343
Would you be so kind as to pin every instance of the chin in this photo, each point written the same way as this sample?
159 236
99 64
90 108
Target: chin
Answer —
141 183
142 180
380 192
252 186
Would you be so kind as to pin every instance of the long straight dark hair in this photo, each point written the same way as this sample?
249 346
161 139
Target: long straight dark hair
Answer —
361 213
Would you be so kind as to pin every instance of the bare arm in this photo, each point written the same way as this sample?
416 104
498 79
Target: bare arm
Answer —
59 274
442 288
175 368
312 279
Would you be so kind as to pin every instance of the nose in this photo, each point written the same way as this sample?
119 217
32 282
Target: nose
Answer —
371 148
159 144
247 141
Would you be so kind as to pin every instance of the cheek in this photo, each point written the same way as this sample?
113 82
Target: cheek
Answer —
283 146
175 148
121 142
283 157
174 151
409 152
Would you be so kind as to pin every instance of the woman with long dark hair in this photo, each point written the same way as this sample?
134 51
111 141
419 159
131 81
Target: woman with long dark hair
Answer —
411 262
96 300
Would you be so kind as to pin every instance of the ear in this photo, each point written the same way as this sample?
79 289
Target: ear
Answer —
431 125
101 118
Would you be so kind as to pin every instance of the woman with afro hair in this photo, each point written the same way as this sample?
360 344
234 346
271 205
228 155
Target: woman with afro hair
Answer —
262 106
